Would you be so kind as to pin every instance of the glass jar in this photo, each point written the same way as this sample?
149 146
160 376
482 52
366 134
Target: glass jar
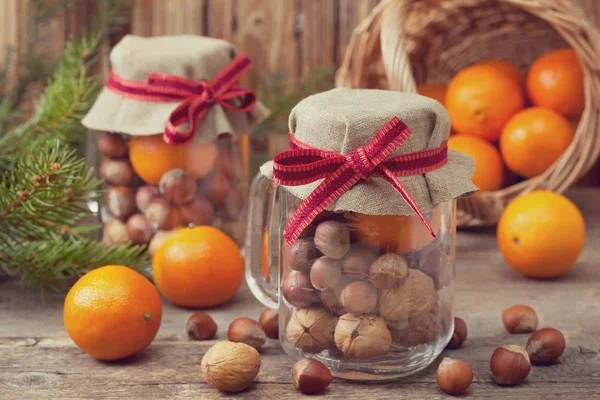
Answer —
153 187
370 296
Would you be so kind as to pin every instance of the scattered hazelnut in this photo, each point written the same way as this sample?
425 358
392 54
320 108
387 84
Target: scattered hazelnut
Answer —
332 238
163 215
302 254
510 365
459 336
415 297
388 271
362 337
158 239
200 211
520 319
115 232
145 195
139 229
200 326
120 201
311 376
454 376
246 330
298 290
545 345
325 273
311 329
177 186
269 322
357 262
359 297
230 367
215 187
112 145
116 172
330 298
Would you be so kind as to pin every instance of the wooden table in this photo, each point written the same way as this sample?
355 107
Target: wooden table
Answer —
38 361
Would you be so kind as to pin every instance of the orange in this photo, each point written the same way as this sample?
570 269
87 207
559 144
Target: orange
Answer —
112 312
481 99
489 169
151 157
541 234
509 69
533 139
198 267
436 91
555 80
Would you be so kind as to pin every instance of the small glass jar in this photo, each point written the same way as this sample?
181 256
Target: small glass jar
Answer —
370 296
155 187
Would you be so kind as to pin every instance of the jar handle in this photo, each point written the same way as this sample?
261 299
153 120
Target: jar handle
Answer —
262 253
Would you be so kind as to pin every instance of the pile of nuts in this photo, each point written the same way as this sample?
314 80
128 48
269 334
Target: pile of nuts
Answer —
140 213
363 300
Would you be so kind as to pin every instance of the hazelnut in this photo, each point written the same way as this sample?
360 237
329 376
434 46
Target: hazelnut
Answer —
545 346
246 330
520 319
454 376
269 322
163 215
158 239
302 254
215 187
145 195
139 229
298 290
332 238
330 298
230 367
325 273
510 365
459 336
200 211
311 329
177 186
112 145
359 297
362 337
120 202
115 232
388 271
200 326
311 376
415 297
414 331
357 262
116 172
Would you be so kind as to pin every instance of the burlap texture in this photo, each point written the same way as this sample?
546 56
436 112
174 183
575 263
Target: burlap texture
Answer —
194 57
342 119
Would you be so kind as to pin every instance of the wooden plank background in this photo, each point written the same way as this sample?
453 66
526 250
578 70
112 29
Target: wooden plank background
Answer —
287 38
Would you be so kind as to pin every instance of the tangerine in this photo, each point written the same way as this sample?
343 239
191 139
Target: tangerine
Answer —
112 312
436 91
534 139
555 81
509 69
489 169
198 267
541 234
481 99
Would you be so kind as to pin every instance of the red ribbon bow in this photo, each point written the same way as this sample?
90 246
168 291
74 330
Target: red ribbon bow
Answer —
303 164
196 96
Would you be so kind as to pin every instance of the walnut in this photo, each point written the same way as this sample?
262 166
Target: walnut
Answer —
414 331
415 297
311 329
362 337
230 367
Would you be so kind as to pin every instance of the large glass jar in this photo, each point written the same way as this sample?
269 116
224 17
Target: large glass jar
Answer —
153 188
370 296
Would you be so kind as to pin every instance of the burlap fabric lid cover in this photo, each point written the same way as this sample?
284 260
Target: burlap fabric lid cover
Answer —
193 57
341 120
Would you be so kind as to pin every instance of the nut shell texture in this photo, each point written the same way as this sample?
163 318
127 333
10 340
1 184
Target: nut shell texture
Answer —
454 376
311 329
545 345
362 337
311 376
520 318
415 297
230 367
510 365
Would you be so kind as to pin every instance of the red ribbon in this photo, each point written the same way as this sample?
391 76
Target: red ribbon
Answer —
303 164
195 96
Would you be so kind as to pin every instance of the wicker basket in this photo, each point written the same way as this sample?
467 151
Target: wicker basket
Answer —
406 42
